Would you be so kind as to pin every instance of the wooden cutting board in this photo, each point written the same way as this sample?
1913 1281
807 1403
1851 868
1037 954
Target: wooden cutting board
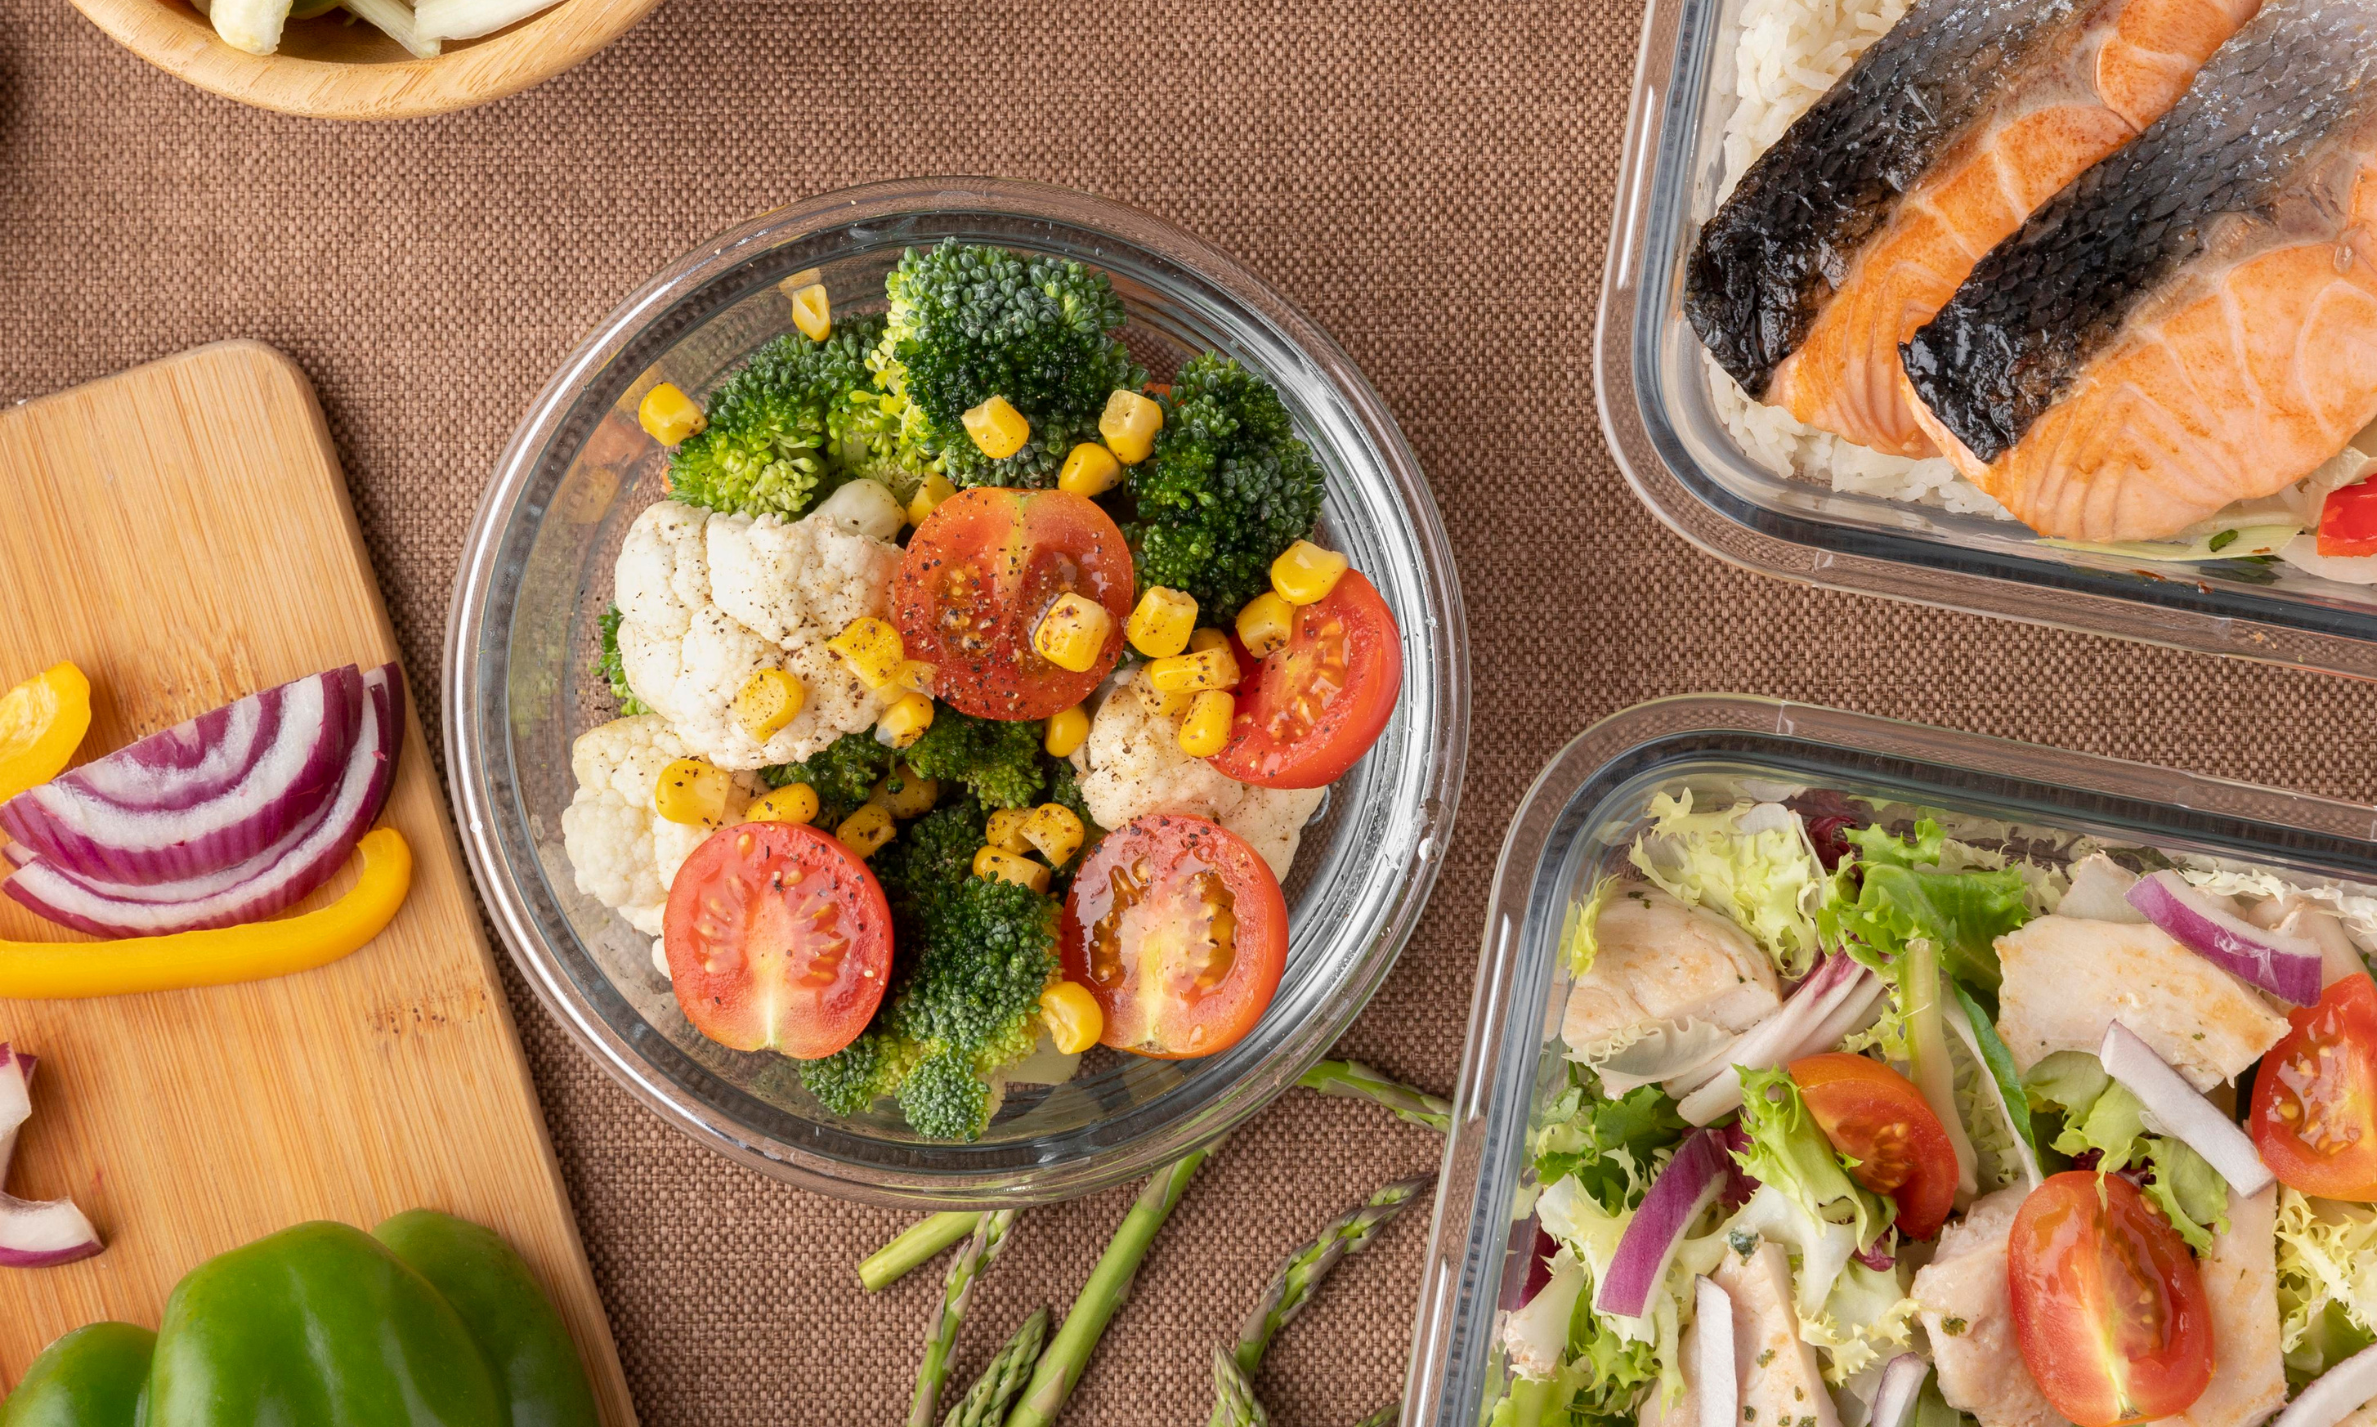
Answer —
181 532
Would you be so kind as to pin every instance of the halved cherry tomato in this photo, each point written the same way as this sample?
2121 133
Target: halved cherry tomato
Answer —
979 574
2348 521
2314 1114
1876 1116
1179 930
778 938
2109 1308
1318 703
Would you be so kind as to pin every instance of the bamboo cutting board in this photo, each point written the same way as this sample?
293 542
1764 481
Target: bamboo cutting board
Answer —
182 533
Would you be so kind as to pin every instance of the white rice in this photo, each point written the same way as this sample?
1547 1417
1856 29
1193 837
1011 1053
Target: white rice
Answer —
1789 53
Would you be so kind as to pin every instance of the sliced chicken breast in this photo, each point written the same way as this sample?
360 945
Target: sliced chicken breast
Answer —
2067 979
1658 959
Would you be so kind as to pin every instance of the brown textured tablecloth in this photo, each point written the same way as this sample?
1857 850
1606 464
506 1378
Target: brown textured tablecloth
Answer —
1430 179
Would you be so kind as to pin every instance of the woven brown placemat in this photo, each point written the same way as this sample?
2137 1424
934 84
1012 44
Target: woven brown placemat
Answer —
1430 180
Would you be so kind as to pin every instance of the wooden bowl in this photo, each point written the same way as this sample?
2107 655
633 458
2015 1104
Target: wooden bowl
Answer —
334 68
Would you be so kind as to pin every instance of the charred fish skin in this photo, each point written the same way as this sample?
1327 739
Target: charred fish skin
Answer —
2246 157
1771 256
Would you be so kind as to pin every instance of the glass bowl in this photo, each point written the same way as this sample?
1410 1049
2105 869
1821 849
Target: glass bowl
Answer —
537 573
1575 826
1664 430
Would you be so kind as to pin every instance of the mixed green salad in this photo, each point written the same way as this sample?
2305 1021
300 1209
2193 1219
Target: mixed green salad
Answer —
1870 1113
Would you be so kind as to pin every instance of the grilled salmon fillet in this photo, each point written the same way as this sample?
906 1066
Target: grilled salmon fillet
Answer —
2194 321
1860 222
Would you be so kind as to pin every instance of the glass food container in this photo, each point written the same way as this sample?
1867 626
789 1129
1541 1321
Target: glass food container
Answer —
519 688
1664 430
1575 826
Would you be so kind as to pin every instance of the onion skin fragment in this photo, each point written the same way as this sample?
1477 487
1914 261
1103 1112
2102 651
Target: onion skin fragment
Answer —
258 951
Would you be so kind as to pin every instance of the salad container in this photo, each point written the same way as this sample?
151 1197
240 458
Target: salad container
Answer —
520 688
1575 826
1666 434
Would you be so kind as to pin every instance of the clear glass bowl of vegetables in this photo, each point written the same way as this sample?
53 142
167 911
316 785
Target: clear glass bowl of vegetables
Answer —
675 413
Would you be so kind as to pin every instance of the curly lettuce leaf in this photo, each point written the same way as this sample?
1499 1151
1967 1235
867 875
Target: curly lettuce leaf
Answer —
1789 1154
1609 1147
2101 1116
2327 1276
1578 946
1751 863
1896 891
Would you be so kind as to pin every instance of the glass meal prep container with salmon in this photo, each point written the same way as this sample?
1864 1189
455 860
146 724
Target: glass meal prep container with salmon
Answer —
1825 1069
2059 311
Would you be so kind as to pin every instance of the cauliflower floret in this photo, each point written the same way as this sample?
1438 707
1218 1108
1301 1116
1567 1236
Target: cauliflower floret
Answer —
624 854
1132 765
707 600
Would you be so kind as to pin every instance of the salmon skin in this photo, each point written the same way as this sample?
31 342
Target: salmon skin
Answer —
2193 322
1943 136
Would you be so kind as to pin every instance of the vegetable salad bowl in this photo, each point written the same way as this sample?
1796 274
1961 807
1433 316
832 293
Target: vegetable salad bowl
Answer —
520 687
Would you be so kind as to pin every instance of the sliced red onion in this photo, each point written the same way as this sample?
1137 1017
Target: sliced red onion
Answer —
1690 1183
202 795
2286 967
1882 1254
16 1102
1712 1355
308 856
44 1235
1894 1395
1837 983
2338 1393
2175 1108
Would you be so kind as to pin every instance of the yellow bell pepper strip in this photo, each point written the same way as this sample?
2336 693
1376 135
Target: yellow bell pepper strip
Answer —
69 971
42 722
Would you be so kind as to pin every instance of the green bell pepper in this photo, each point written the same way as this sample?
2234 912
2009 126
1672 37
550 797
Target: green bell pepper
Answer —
319 1324
92 1377
517 1328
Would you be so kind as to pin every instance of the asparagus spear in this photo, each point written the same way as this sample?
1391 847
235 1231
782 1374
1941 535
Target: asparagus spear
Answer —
986 1404
990 1236
1293 1286
1234 1402
1060 1368
1386 1416
891 1263
1356 1081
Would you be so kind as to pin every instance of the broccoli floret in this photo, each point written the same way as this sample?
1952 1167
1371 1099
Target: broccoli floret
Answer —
765 448
996 761
843 774
974 955
609 668
1227 488
969 323
867 437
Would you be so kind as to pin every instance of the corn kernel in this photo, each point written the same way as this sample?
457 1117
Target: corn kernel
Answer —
998 429
692 792
1162 623
1073 634
1055 832
1090 469
914 675
905 795
1073 1017
1004 831
865 831
1195 672
668 415
1207 726
793 803
935 489
1208 638
1159 702
871 648
1265 624
1305 573
767 701
1066 731
1010 867
812 312
1129 424
904 722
